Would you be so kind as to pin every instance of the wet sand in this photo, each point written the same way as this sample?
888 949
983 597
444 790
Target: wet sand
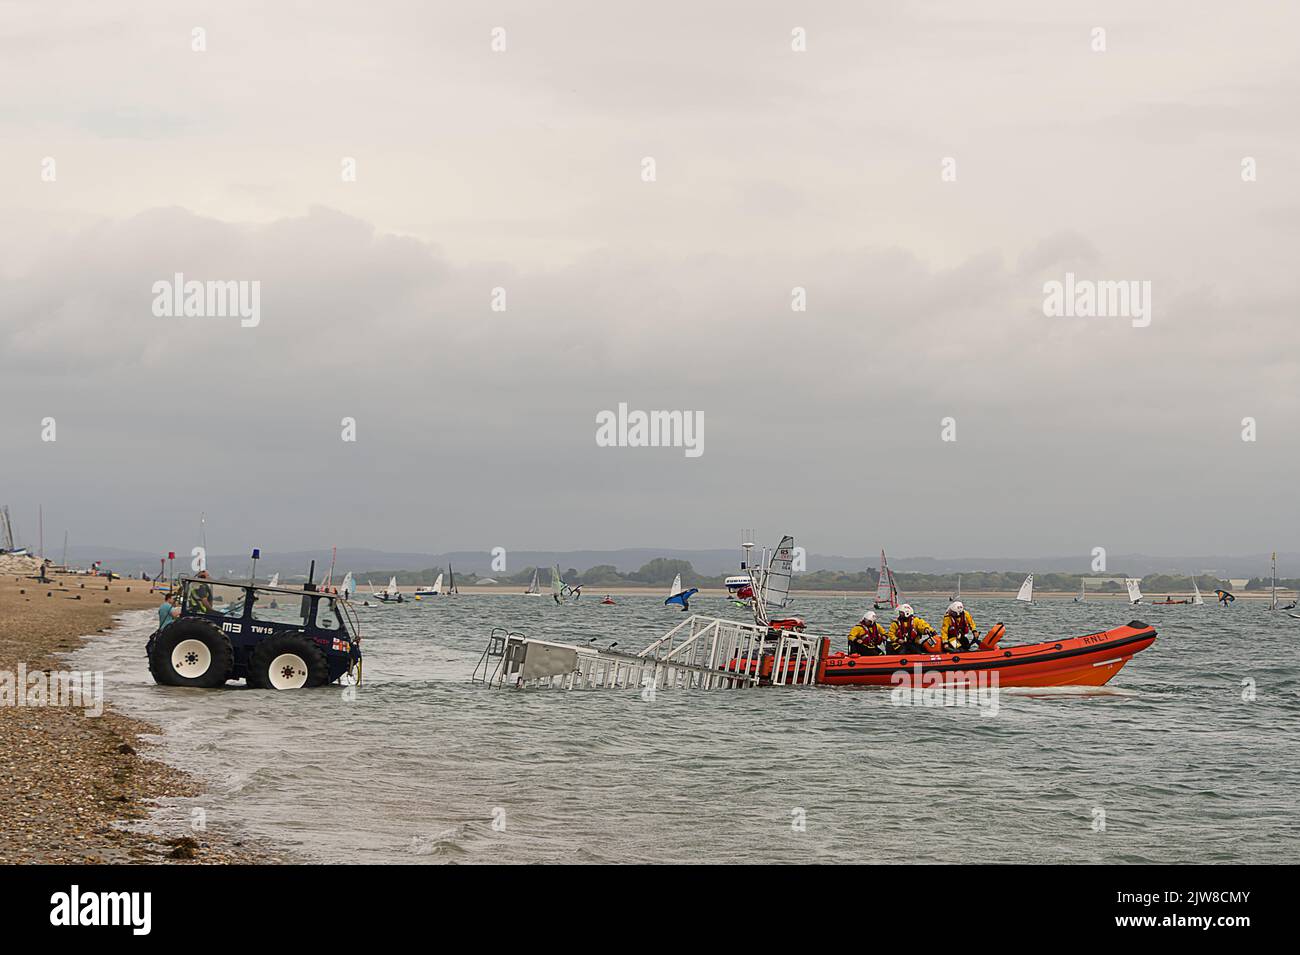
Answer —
67 778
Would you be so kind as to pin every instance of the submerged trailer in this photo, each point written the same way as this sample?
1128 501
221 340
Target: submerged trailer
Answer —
701 652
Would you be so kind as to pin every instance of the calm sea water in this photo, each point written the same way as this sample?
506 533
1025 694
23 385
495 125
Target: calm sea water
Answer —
419 766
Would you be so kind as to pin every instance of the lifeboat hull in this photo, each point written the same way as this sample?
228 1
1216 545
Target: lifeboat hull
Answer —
1089 660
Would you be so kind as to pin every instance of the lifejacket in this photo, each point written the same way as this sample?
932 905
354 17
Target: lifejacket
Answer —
869 636
954 628
913 631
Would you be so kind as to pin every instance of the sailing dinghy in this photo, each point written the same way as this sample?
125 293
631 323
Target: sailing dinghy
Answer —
886 587
534 589
1026 594
434 591
1134 591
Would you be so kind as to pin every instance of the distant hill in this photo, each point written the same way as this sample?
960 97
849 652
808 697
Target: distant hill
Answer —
708 563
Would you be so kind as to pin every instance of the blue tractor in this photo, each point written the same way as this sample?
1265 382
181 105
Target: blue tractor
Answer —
278 638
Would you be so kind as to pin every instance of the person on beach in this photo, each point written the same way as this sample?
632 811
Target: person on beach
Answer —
911 634
957 632
867 637
168 612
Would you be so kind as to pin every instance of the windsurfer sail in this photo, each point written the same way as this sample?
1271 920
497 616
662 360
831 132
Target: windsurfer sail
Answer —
534 589
886 586
678 596
560 591
1197 599
1225 598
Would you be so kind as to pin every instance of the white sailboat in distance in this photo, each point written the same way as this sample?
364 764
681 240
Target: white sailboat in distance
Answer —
1134 591
534 589
886 588
1027 590
1197 599
433 591
389 594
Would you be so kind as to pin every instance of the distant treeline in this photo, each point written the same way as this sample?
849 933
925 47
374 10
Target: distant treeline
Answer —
661 571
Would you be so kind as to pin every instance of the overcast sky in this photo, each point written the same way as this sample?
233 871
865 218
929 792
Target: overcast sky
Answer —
523 169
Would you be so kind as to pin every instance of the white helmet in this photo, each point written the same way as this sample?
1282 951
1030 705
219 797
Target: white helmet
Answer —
905 610
957 607
869 617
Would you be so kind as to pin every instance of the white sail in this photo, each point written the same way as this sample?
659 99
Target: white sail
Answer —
557 583
1027 590
776 582
959 586
534 588
275 580
1197 599
1134 591
392 585
883 588
437 585
1083 592
676 588
348 585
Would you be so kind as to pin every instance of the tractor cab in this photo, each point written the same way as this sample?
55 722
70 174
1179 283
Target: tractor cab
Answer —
272 637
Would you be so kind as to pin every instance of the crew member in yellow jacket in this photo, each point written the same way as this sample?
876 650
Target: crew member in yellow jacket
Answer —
957 632
911 634
867 637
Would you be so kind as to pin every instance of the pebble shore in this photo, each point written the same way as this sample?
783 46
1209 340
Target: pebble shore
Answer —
68 780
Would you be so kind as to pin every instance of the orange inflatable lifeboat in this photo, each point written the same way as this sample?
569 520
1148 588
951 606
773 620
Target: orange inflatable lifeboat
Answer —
1090 660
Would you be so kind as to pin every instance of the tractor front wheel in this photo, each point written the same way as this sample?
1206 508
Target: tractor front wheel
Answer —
287 662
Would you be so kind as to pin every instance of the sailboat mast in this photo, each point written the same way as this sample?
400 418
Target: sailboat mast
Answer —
1273 601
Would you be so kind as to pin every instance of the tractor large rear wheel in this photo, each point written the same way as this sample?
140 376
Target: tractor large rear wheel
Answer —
191 653
288 661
